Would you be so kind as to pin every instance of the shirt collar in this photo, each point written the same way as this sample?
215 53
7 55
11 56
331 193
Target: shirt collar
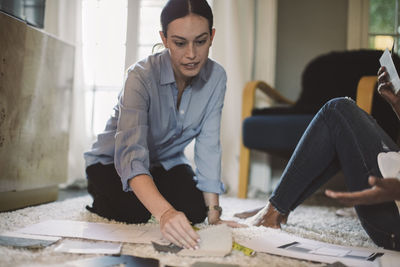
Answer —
205 71
167 73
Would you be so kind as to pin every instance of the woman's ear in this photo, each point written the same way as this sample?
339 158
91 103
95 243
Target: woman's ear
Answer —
163 38
212 35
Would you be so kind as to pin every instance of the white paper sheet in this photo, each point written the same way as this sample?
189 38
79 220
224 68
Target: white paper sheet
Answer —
215 240
387 61
280 243
84 247
390 259
96 231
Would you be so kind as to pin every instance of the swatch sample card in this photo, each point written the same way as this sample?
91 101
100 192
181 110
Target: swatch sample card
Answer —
110 261
14 239
387 62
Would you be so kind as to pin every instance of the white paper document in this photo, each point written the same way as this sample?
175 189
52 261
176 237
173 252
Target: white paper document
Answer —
283 244
215 240
85 247
96 231
387 61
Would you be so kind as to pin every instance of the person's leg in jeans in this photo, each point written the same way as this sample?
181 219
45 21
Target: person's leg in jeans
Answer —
176 185
341 136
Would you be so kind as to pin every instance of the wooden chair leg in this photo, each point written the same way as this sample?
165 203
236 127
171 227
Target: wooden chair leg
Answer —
244 168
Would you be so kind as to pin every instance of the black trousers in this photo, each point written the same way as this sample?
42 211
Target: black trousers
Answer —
176 185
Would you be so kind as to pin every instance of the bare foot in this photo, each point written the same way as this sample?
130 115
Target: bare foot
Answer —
247 213
268 217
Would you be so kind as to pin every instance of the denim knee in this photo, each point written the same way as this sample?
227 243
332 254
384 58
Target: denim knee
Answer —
344 106
340 103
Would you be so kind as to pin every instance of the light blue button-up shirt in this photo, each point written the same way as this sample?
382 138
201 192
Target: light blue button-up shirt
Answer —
148 129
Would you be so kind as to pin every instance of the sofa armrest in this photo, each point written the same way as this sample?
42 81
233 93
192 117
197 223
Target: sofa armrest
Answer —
249 92
365 93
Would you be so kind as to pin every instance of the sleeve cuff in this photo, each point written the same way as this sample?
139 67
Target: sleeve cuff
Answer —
137 168
211 186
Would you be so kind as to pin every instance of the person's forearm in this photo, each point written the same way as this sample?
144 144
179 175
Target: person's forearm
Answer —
212 199
146 191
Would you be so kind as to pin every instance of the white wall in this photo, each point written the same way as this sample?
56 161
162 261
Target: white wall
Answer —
241 46
306 29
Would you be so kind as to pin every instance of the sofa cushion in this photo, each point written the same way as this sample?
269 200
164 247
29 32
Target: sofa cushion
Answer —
275 133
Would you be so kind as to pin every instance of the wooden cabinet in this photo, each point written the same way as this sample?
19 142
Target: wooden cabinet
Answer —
36 79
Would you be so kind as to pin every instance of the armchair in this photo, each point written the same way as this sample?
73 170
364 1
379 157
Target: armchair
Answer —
277 129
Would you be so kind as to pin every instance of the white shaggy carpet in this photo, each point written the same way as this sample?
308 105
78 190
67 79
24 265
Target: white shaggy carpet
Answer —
313 222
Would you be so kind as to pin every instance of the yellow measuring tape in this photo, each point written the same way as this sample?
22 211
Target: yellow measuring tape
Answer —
236 246
246 251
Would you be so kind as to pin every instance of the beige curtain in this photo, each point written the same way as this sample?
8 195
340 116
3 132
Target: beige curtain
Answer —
63 19
357 25
245 45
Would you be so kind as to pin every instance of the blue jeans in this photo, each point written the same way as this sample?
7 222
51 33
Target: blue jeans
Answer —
341 137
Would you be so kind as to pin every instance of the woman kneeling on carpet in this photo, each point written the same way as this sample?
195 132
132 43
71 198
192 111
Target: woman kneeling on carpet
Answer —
342 136
169 99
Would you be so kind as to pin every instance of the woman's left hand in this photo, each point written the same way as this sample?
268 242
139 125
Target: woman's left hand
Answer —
382 190
214 216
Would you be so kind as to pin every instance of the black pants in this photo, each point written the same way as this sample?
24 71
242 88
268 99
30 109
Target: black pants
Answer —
176 185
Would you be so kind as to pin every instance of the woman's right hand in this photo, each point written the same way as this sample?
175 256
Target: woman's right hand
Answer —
385 88
176 228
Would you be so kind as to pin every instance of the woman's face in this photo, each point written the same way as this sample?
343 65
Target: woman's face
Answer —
188 40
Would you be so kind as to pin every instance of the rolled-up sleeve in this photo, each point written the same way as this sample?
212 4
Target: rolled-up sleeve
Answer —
131 150
208 146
